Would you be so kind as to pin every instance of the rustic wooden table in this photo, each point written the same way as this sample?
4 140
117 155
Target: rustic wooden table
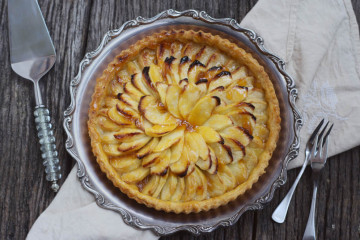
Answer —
76 27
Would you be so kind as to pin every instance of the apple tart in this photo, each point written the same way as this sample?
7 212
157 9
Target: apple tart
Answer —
184 121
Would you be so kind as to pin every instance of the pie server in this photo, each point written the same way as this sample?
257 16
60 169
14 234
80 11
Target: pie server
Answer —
32 55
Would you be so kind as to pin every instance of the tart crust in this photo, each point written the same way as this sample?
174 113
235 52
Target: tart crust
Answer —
226 47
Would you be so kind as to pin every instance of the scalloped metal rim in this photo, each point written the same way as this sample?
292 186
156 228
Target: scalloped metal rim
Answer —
195 229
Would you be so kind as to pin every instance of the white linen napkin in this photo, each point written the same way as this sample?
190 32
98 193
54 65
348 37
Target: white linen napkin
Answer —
319 40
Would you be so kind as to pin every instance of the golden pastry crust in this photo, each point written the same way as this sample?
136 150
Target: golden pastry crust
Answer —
263 135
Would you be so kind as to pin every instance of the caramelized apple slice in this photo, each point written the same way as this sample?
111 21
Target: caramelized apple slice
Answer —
162 90
148 148
152 111
179 191
223 152
215 186
236 94
196 142
115 87
181 167
221 79
184 67
159 130
195 69
172 100
176 150
245 120
160 186
239 171
127 111
169 187
172 70
110 102
203 110
136 175
190 95
234 108
251 159
155 74
151 159
218 122
237 149
226 177
161 167
151 185
195 186
106 124
261 131
238 133
125 163
128 134
127 100
168 140
209 134
133 67
134 145
132 91
138 82
112 150
214 162
239 73
118 118
146 58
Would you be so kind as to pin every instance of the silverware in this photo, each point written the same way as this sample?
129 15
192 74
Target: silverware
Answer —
32 55
318 159
280 212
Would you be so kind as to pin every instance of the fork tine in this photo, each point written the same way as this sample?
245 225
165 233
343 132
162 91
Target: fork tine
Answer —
313 150
325 149
327 134
323 131
312 137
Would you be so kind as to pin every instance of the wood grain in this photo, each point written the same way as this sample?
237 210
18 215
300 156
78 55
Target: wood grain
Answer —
77 27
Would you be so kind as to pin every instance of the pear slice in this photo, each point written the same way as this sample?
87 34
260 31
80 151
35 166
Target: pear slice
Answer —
134 145
152 111
162 89
125 163
159 130
168 140
169 187
136 175
172 100
161 167
221 79
188 98
179 191
203 110
223 152
209 134
148 148
118 118
132 91
107 125
176 150
238 133
218 122
128 134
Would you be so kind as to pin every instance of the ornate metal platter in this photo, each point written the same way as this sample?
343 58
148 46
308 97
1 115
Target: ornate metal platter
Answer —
134 214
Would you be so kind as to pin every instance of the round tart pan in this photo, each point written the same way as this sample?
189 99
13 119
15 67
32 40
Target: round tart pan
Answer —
108 196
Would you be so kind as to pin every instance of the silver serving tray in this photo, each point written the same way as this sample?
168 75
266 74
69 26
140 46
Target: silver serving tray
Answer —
109 197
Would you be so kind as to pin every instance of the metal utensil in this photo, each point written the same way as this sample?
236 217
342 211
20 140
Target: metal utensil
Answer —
318 159
280 212
32 55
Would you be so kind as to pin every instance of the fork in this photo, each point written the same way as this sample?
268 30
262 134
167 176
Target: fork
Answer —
280 212
318 160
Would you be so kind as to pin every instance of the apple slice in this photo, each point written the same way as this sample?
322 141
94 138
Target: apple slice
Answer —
146 58
197 143
136 175
125 163
133 67
209 134
184 67
221 79
172 70
127 111
115 87
151 159
180 168
160 186
128 134
179 191
238 133
239 73
159 130
195 68
161 167
251 158
183 82
223 152
226 176
195 186
107 125
152 111
237 149
172 100
203 110
234 108
246 81
236 94
127 100
215 186
202 85
238 169
132 91
162 89
169 187
118 118
134 145
214 162
190 95
245 120
218 122
155 74
137 82
111 102
112 150
176 150
148 148
168 140
151 185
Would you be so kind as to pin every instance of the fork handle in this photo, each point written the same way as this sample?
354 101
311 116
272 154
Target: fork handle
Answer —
48 147
280 212
310 232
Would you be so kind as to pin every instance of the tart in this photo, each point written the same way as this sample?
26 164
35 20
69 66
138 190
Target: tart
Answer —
184 121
